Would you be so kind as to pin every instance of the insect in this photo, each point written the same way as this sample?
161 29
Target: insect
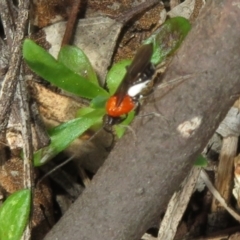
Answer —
135 84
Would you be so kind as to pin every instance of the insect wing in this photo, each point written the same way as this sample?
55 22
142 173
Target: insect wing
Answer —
138 65
140 62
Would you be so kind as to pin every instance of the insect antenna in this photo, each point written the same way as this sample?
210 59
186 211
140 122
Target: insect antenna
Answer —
55 169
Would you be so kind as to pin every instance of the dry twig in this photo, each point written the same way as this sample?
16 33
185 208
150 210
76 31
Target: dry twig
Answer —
217 195
71 23
10 81
177 206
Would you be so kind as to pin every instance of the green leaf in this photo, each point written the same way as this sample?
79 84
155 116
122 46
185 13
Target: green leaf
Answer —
14 215
99 102
47 67
120 129
63 135
76 60
83 111
116 74
168 38
201 161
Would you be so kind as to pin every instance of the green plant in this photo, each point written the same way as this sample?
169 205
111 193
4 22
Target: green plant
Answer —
201 161
14 215
74 73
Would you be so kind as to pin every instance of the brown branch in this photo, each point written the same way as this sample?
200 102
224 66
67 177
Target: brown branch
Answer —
134 185
143 7
71 23
7 20
23 99
27 140
4 56
10 81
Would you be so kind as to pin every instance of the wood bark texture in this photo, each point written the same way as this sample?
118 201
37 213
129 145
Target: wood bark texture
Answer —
136 182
